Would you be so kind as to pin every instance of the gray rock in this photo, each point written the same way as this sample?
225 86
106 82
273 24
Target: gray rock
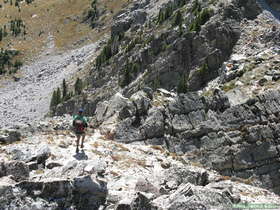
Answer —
137 202
19 170
181 123
10 136
126 19
95 166
154 124
141 101
118 104
89 193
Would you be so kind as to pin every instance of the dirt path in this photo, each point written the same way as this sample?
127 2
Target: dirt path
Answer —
28 99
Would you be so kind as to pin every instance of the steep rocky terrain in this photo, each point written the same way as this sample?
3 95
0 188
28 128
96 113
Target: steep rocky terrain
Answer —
184 101
43 172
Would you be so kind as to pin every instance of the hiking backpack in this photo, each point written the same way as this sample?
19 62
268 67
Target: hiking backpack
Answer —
79 126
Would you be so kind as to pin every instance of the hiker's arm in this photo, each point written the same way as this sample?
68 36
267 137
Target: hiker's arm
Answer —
85 122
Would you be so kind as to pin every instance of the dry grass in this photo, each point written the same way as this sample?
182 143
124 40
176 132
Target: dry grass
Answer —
225 178
60 19
39 171
157 147
197 164
97 153
50 139
109 136
128 162
95 144
114 173
121 147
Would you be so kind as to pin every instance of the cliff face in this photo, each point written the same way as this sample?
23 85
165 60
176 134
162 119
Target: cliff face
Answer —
149 48
43 172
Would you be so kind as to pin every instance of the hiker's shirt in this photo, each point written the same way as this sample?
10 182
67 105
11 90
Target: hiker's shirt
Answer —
80 123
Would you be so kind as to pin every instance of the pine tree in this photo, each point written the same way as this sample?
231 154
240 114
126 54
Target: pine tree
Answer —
1 34
53 100
126 77
64 90
178 19
182 85
78 86
58 96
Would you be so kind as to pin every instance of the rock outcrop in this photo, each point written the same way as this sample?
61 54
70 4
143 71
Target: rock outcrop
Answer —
109 175
236 141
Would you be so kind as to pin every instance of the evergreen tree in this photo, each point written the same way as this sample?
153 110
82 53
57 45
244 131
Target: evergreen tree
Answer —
78 86
64 90
178 19
126 77
1 34
182 85
53 100
58 96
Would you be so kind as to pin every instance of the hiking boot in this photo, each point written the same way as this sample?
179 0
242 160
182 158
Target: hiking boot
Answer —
82 146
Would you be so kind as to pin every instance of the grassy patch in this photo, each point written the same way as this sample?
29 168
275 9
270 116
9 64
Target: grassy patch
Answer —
229 86
60 20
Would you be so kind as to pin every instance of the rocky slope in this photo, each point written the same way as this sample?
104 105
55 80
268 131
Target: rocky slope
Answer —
42 172
28 99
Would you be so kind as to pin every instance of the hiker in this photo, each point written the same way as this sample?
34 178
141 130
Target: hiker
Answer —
80 124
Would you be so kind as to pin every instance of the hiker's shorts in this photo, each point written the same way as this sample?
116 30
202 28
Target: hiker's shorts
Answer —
80 134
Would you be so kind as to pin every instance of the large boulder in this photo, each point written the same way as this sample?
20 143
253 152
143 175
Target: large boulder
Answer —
17 169
10 136
89 194
118 104
126 19
154 124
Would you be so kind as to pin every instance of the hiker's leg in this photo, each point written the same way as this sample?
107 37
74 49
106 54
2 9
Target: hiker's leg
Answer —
83 139
78 142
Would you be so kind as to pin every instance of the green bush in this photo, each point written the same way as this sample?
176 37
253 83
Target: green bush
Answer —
168 10
7 63
56 98
78 86
182 86
200 19
130 70
178 19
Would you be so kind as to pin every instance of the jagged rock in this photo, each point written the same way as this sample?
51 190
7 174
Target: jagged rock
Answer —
51 165
19 170
138 201
175 176
181 123
250 8
126 132
219 102
154 124
95 166
141 101
88 193
143 185
118 104
125 20
80 193
186 103
10 136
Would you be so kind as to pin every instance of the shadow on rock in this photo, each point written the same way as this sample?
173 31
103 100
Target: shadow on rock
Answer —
81 155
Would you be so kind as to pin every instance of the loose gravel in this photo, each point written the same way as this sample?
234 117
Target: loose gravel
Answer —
28 99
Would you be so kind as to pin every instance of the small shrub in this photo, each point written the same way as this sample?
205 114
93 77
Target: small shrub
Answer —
200 19
78 86
182 85
178 19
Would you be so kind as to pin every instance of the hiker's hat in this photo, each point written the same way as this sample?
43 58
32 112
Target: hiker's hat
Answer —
81 110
